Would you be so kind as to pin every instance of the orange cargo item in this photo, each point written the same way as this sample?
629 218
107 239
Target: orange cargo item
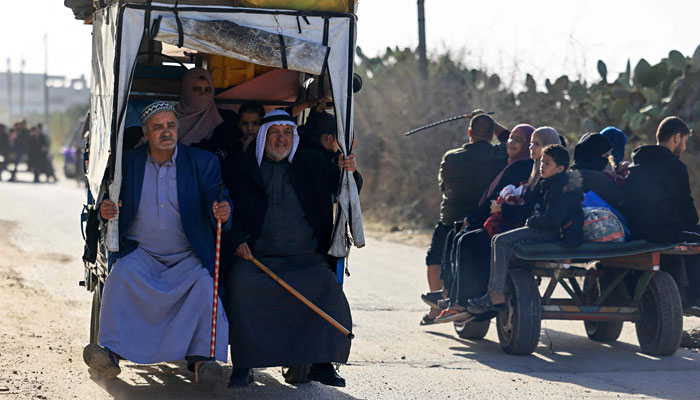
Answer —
301 5
277 85
227 72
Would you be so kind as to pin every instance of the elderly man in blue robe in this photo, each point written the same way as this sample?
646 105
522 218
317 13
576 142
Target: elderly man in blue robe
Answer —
157 299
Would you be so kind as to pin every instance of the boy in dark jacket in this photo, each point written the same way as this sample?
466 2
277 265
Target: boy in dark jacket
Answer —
555 205
658 203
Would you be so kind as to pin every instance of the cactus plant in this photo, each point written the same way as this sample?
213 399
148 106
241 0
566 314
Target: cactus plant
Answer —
603 70
677 60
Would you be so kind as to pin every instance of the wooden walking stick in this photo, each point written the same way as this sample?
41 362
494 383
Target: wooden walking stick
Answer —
303 299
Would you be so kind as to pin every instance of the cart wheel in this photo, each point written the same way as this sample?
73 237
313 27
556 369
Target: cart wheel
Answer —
472 330
659 328
607 331
296 373
95 314
519 326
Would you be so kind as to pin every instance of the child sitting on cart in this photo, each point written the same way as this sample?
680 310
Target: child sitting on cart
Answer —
556 215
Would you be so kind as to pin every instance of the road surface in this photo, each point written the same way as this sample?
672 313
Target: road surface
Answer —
44 322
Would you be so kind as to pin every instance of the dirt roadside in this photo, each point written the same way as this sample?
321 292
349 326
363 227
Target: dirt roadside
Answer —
37 347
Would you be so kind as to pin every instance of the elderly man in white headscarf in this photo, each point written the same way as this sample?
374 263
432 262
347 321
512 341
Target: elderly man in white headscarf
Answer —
284 217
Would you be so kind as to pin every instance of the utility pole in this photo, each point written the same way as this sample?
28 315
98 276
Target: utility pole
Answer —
46 81
422 57
9 92
21 89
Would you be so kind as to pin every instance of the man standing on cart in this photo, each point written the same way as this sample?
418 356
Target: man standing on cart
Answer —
157 298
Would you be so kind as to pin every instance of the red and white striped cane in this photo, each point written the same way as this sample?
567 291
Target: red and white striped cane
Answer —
216 287
216 280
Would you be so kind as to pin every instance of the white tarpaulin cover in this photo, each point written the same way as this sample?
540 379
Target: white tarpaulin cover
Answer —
248 44
101 98
108 47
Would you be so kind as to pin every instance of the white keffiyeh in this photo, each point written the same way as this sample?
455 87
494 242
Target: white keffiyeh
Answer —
275 117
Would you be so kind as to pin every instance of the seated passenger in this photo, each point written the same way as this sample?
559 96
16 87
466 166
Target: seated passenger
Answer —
320 134
465 172
201 124
157 300
284 217
658 203
556 216
618 139
472 248
249 116
591 158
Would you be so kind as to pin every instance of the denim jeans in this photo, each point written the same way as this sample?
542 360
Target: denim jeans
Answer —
502 250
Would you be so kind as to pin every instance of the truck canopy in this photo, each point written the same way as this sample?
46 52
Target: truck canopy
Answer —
314 42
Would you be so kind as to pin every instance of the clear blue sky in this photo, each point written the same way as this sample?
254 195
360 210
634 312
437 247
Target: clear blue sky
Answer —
546 38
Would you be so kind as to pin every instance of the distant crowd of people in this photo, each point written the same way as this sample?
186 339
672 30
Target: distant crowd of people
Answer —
23 144
526 190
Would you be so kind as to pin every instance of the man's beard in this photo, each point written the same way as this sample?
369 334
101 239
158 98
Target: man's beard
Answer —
677 152
277 156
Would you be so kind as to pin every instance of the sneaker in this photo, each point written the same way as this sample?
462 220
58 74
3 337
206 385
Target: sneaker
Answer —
483 304
101 360
432 298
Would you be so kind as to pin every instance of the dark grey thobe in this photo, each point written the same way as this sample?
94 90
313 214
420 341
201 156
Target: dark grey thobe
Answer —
268 326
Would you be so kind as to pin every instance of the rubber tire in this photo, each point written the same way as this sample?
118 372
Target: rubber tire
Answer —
608 331
95 314
296 373
661 324
70 170
523 315
472 330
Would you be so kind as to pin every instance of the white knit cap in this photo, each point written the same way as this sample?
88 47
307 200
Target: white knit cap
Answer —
153 109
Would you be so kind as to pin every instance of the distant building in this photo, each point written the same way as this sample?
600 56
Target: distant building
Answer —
63 93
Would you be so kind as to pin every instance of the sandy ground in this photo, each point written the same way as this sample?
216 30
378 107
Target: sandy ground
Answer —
44 321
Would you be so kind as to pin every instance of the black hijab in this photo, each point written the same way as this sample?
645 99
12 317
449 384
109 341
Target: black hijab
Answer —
589 152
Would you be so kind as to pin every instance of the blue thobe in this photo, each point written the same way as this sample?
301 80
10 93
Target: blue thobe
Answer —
157 300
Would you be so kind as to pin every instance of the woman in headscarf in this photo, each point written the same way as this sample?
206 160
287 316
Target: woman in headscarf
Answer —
517 169
541 138
618 140
592 160
466 278
200 123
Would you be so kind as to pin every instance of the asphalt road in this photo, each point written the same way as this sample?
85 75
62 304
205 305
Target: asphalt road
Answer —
45 317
